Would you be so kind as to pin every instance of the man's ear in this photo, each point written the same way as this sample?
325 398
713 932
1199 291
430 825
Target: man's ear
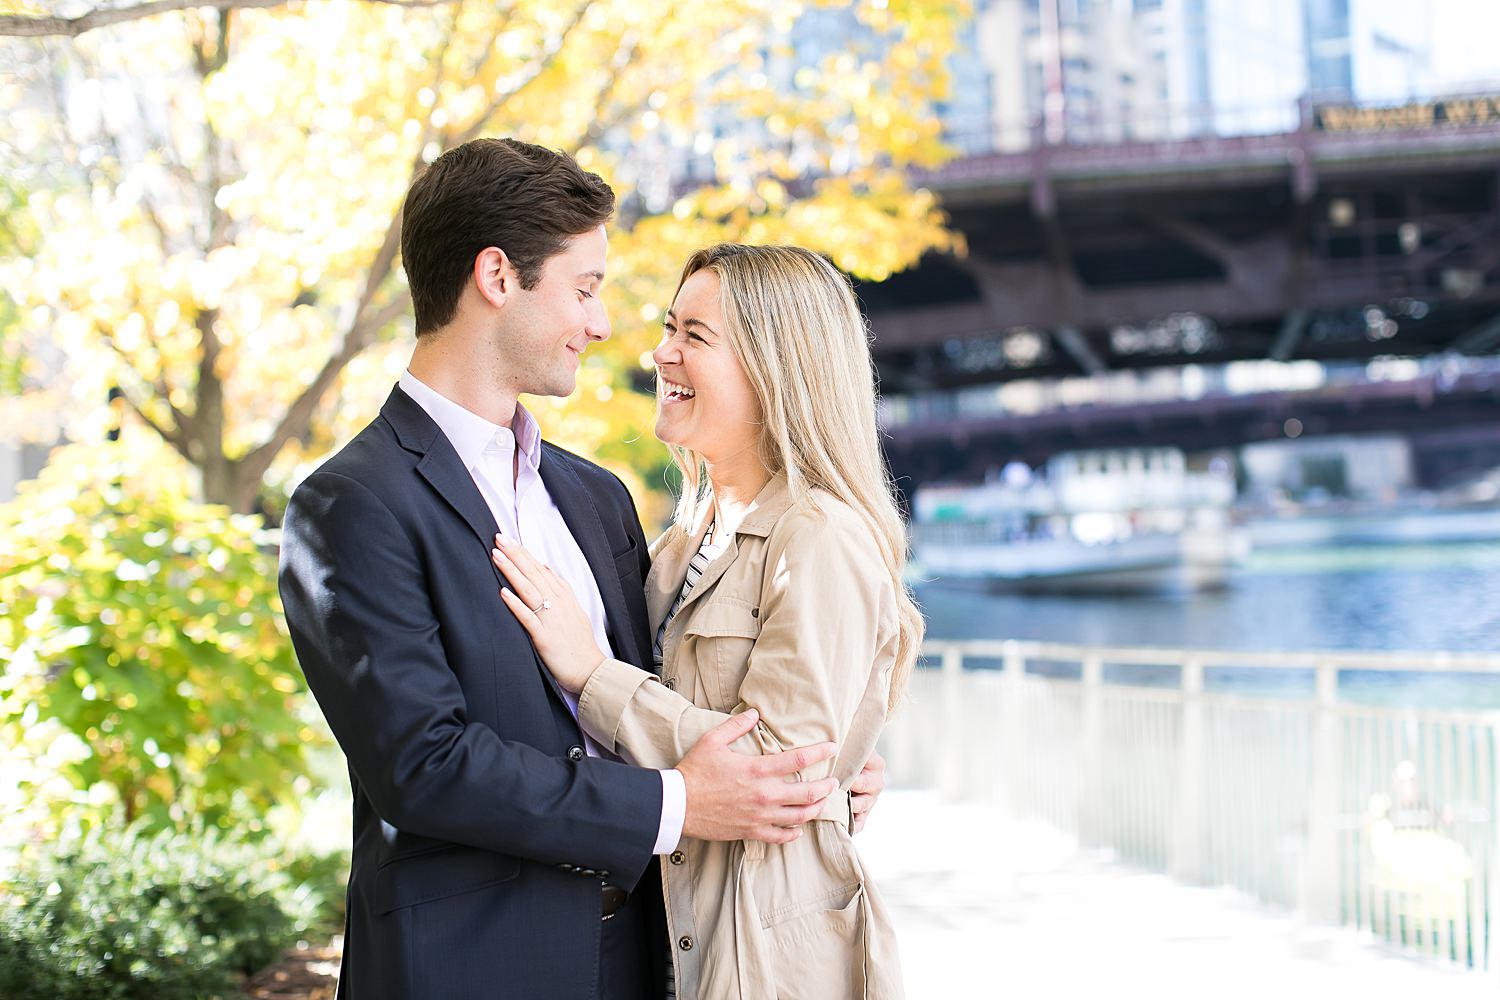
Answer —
494 276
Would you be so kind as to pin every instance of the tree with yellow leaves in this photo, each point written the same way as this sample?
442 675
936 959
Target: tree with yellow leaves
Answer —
218 188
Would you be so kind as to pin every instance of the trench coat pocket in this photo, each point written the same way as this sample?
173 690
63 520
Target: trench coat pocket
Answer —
724 616
822 954
722 632
449 871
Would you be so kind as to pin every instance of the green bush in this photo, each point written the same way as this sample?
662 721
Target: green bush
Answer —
146 630
323 879
169 916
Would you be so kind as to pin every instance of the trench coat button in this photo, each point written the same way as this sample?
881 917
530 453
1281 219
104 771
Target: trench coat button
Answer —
755 612
575 753
670 683
678 857
685 943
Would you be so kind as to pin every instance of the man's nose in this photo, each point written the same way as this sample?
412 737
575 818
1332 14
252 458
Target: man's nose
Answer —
597 326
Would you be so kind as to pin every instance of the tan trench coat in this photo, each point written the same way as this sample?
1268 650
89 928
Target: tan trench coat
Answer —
796 618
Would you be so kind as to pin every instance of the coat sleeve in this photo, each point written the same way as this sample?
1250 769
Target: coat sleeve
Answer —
367 637
824 654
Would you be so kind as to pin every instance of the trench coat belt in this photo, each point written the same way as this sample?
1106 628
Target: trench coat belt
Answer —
836 809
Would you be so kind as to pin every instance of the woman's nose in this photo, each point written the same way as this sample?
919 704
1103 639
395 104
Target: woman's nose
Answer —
666 352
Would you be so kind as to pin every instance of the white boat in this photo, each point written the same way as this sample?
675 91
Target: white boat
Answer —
1395 524
1120 520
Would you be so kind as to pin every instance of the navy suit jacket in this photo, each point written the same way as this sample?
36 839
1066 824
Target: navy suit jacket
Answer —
481 831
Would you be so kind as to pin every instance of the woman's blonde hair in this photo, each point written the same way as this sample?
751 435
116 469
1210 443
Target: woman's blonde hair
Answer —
795 327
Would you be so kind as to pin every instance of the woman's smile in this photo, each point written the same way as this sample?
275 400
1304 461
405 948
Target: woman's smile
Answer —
675 392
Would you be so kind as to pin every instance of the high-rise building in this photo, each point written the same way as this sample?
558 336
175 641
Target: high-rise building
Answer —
1113 70
1074 70
1370 50
1330 66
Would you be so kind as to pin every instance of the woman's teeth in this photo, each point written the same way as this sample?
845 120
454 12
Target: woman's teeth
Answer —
675 391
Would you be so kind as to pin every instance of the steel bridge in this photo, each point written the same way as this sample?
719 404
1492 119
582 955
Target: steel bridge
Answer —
1352 233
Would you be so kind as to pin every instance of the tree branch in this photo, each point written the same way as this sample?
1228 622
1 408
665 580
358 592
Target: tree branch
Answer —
175 440
365 325
210 53
34 26
380 268
299 414
624 62
208 413
538 67
179 434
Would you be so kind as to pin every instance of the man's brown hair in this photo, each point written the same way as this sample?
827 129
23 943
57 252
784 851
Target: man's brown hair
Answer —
524 199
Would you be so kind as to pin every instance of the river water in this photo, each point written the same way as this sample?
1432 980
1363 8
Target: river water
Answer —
1413 597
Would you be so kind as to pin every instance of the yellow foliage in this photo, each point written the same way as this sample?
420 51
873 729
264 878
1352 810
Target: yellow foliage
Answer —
248 204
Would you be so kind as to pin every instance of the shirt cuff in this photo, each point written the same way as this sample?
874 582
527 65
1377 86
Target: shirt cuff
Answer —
673 811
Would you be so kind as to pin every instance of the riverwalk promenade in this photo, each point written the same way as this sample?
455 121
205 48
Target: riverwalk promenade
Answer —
990 908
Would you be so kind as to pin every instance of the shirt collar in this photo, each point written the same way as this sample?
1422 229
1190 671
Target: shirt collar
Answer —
468 432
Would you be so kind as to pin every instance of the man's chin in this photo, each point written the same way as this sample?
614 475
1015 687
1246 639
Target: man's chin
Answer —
561 387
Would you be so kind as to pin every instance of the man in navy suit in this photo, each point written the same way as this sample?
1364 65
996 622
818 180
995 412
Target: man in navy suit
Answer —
497 852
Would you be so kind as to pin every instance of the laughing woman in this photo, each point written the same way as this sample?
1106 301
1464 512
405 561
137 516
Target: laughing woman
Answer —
777 588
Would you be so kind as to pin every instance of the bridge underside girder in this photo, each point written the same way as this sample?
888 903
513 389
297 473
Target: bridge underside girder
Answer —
1404 261
968 449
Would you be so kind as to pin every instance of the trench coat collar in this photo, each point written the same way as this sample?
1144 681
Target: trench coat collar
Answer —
669 568
766 509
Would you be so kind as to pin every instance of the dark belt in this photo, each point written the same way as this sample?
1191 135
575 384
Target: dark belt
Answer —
614 898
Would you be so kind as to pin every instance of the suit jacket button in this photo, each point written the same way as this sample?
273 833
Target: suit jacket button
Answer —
575 753
685 943
678 857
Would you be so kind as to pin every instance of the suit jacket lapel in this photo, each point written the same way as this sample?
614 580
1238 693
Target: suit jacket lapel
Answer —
445 472
441 466
582 517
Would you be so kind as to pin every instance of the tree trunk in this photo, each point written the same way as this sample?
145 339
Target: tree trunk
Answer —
220 484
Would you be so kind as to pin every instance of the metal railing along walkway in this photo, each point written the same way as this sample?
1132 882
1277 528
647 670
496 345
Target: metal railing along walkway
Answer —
1382 818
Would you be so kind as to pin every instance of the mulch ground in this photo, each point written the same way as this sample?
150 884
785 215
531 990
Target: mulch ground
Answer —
303 974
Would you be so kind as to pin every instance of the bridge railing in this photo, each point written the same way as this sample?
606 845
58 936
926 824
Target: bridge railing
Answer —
1209 766
1089 126
1127 388
1086 124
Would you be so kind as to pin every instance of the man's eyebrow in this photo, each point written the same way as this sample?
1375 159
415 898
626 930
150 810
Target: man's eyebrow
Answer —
596 275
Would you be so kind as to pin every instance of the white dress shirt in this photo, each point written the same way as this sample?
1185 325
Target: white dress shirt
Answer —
524 510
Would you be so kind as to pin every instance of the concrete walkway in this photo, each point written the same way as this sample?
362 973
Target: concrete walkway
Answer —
989 909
